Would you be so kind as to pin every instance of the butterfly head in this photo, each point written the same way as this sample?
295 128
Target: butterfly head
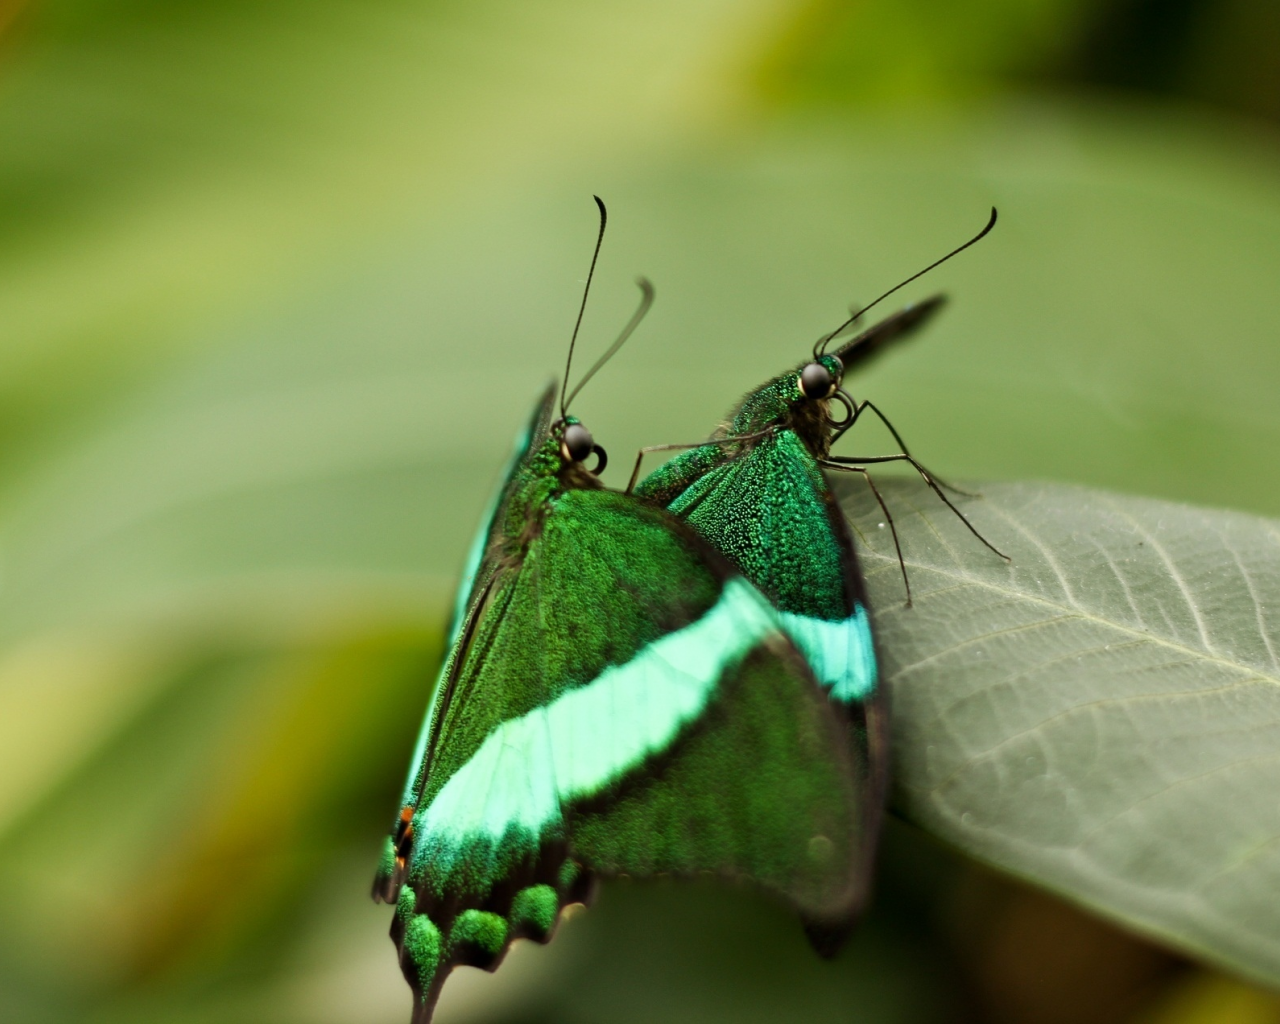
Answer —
819 380
574 445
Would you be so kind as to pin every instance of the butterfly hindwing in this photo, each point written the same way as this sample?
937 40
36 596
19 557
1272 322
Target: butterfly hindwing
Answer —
758 786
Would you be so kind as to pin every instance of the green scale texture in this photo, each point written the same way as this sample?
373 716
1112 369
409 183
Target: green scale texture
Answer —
698 814
593 590
767 513
766 503
577 590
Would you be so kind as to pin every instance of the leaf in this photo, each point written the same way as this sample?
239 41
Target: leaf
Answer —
1102 715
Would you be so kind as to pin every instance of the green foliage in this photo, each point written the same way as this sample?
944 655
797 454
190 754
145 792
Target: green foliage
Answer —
837 51
843 52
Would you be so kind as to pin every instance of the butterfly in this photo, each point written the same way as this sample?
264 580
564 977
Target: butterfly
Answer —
758 492
616 699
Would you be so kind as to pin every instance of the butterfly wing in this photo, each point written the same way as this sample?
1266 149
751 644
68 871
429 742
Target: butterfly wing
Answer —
767 505
758 785
858 351
717 750
770 509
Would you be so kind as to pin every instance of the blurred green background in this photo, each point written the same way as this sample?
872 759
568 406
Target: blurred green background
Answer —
279 282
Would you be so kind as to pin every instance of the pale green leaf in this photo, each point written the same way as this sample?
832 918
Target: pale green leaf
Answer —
1102 715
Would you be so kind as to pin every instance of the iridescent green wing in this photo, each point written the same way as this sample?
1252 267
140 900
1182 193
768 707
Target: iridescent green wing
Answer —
760 497
619 700
770 510
766 504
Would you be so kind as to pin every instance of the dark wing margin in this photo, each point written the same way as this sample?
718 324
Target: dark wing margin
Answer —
868 724
901 325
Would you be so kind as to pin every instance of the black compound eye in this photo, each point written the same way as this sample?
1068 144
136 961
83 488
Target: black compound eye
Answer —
816 382
576 443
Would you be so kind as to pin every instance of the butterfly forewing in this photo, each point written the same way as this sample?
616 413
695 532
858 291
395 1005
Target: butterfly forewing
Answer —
862 348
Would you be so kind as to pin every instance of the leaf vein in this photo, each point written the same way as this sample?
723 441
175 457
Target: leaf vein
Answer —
1160 549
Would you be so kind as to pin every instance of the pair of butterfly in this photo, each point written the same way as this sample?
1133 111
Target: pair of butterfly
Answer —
678 679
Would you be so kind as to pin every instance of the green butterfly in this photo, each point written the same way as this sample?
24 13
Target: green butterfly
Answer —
758 493
617 699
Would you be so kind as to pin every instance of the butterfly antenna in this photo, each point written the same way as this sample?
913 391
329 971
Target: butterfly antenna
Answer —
604 217
856 312
646 300
954 252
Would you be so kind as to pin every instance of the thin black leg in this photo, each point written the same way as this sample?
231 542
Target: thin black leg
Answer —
635 473
928 478
906 582
866 403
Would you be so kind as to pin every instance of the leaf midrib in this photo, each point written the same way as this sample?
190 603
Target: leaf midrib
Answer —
1068 611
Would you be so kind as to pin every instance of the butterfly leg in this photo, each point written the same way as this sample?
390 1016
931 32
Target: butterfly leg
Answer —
635 473
866 403
928 479
906 582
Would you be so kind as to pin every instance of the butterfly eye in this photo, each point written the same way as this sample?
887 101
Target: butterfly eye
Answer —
816 382
576 443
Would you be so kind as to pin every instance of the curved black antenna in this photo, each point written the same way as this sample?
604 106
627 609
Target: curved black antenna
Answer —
824 339
976 238
604 217
646 300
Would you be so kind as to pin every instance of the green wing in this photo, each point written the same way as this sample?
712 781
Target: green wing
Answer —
622 702
765 503
766 511
770 509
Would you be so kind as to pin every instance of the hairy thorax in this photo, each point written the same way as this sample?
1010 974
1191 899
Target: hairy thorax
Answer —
779 405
